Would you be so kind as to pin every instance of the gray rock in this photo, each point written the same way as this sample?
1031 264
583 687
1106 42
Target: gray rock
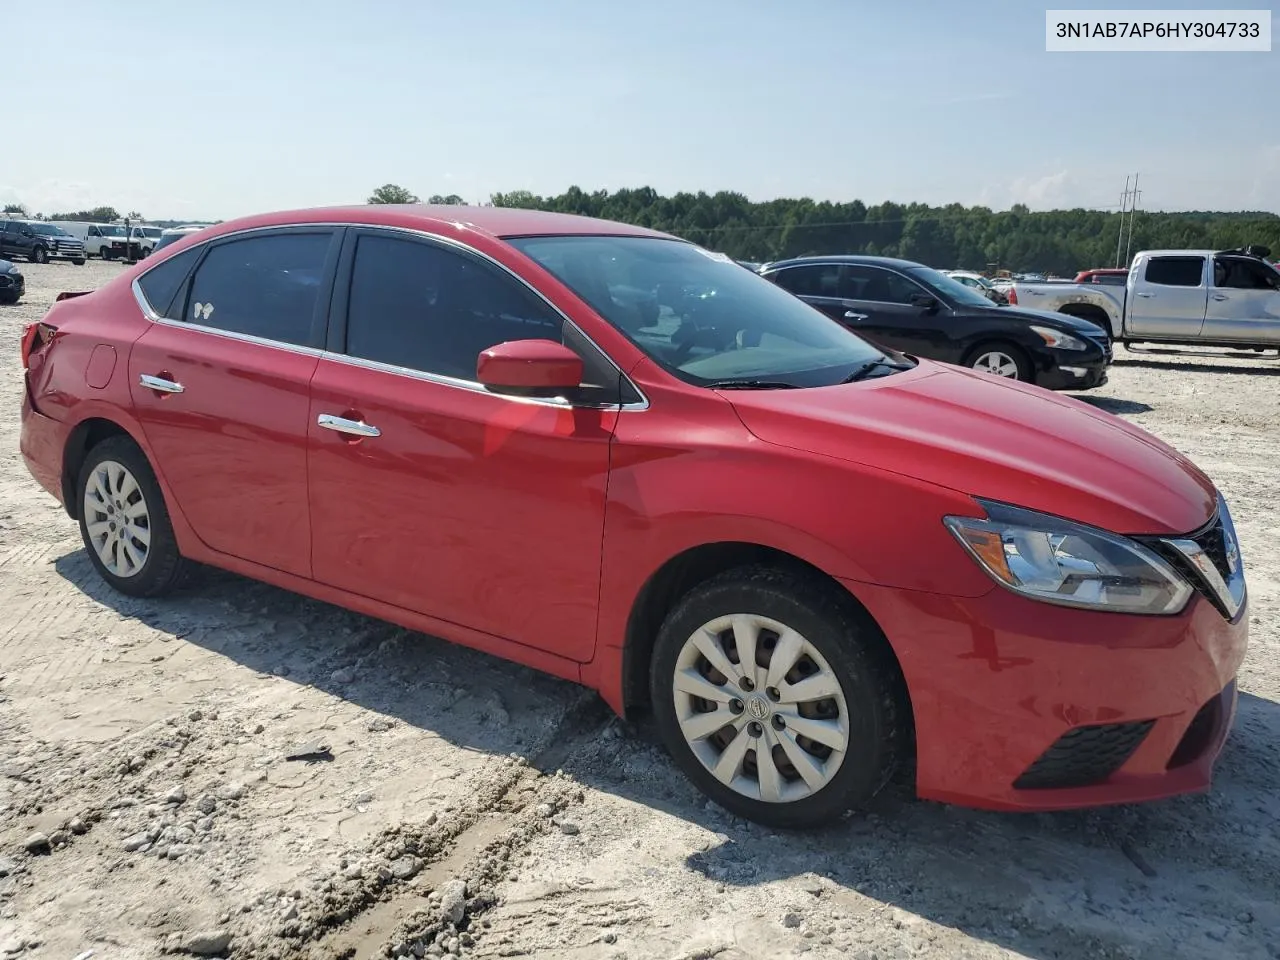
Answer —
545 810
405 867
205 824
8 866
179 850
379 725
453 901
569 828
59 838
77 826
342 675
195 716
176 795
206 804
232 791
791 920
1244 916
258 728
36 843
207 943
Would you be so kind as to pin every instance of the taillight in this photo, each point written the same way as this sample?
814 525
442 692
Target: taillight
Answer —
35 336
1013 296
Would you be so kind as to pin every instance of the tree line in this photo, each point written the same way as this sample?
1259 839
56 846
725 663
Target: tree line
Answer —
949 237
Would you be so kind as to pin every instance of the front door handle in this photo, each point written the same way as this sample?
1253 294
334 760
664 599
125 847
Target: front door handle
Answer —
1221 296
854 315
355 428
160 384
1146 296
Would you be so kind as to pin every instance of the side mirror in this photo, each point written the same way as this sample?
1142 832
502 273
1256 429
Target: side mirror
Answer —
924 301
529 366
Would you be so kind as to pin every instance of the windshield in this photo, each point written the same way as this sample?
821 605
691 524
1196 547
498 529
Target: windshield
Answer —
110 230
49 230
699 315
948 287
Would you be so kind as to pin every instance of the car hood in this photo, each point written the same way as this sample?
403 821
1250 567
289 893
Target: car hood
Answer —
996 439
1061 321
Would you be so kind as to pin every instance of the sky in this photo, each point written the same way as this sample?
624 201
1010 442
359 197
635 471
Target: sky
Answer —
214 110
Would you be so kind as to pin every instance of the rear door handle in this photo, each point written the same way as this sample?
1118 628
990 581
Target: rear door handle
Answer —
854 315
160 384
1146 296
355 428
1221 296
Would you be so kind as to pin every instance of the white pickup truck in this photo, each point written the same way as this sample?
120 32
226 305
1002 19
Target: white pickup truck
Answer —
1217 298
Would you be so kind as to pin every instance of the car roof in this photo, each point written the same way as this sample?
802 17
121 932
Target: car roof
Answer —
497 222
847 258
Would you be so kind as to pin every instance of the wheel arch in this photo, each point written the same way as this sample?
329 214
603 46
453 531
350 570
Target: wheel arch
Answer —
695 565
1088 311
84 436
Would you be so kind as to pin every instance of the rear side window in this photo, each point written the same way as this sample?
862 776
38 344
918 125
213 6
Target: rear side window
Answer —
811 280
262 286
1175 271
160 284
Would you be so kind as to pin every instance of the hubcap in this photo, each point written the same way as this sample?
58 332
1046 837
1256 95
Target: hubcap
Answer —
116 516
760 708
1001 364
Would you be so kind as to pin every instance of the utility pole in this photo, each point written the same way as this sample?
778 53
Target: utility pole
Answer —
1133 211
1124 202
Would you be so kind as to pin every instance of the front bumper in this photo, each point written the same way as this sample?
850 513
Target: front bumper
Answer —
12 286
1076 375
1019 705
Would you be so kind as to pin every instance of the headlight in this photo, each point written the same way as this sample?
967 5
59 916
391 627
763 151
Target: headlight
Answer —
1047 558
1059 340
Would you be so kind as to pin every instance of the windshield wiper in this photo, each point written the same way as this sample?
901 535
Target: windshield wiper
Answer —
862 371
750 385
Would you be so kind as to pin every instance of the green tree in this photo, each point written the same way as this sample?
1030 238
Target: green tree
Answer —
452 200
15 208
392 193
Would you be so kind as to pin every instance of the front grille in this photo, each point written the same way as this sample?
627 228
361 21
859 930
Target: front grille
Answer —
1084 756
1212 539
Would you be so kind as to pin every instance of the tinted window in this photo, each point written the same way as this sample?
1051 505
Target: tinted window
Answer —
428 308
1175 271
810 280
161 283
699 315
1239 274
264 286
884 286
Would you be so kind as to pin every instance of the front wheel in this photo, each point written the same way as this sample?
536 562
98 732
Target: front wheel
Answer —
1001 360
777 698
124 522
78 261
39 255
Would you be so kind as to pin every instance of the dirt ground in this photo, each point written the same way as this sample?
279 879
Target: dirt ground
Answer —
468 806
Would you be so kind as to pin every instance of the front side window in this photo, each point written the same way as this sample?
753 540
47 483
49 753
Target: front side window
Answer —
1236 273
699 315
1175 271
262 286
425 307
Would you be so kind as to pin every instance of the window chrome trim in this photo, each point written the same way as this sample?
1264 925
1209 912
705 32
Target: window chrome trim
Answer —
473 385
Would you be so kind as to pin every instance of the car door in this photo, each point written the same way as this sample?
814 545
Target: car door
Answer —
890 309
817 284
1244 302
220 384
431 493
1167 300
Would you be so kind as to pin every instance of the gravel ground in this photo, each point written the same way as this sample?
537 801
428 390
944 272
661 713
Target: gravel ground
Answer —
455 804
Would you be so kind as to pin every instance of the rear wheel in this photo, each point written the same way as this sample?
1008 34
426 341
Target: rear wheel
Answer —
106 254
1001 359
776 698
124 522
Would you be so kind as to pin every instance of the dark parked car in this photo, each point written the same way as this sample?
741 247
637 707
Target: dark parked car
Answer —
39 242
12 284
919 311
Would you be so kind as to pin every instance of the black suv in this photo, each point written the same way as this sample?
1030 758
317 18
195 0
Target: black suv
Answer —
915 309
12 285
39 242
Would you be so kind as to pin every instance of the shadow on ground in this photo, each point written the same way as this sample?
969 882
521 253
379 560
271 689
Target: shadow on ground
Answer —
1186 878
1115 405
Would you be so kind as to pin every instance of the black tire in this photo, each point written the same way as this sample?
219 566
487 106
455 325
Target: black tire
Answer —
1026 372
39 254
164 568
78 261
857 653
106 254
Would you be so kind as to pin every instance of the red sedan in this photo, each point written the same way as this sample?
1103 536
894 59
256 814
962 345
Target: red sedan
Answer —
622 459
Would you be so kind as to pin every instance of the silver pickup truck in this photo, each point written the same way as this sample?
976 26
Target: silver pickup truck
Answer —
1219 298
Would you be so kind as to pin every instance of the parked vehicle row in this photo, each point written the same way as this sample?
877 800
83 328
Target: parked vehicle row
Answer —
815 559
113 240
1224 298
39 242
915 309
